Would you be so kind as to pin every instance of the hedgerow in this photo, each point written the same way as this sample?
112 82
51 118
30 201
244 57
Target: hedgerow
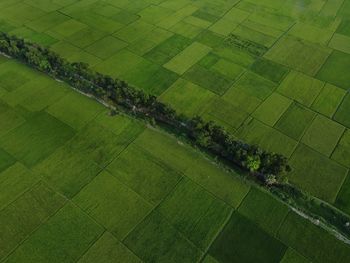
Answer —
268 167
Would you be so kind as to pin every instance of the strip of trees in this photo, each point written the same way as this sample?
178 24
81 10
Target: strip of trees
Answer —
269 168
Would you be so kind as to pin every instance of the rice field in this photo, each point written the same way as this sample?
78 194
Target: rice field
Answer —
110 189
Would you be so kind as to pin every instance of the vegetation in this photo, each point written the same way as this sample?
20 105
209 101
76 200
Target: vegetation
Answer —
245 44
266 166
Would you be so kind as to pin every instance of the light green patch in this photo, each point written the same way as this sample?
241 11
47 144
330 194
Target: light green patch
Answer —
225 113
77 117
228 69
187 98
135 31
241 99
323 135
112 204
226 186
291 256
272 109
328 100
341 152
195 213
255 132
263 209
341 43
312 170
255 85
68 27
85 37
109 249
175 154
299 55
146 175
186 29
14 181
190 56
301 88
311 33
23 216
64 237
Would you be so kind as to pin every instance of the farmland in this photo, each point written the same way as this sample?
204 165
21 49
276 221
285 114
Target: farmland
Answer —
272 72
109 189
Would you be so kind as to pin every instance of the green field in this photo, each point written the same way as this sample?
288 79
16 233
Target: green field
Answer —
110 189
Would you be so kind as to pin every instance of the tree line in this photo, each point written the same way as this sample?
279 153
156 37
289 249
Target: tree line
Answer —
269 168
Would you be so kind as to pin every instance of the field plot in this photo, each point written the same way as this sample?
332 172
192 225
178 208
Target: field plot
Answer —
117 191
274 73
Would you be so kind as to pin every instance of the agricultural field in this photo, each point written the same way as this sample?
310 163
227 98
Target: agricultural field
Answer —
108 189
272 72
79 185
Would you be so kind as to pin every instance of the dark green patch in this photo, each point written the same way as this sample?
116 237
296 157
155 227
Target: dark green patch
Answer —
36 139
155 240
342 115
11 80
6 160
242 241
212 81
168 49
269 70
247 45
295 121
335 70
